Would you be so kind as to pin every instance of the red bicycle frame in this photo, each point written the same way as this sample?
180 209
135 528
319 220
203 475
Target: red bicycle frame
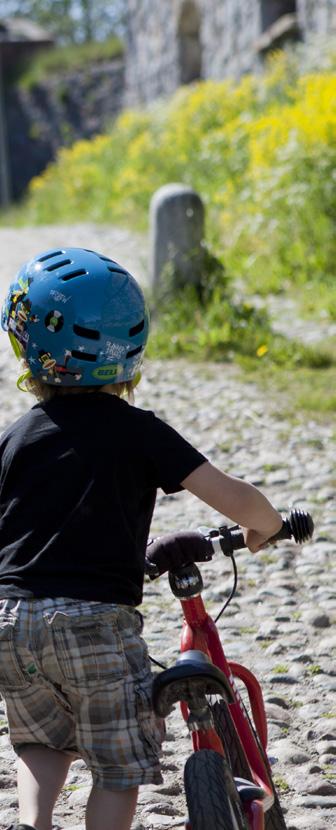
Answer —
200 632
200 635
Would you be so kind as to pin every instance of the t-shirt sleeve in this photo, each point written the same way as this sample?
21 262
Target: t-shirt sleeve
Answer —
172 457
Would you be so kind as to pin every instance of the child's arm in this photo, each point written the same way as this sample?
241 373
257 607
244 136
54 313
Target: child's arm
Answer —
237 500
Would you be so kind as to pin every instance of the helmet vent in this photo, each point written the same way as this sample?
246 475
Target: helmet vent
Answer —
79 273
57 265
137 329
116 269
133 352
84 355
49 256
91 334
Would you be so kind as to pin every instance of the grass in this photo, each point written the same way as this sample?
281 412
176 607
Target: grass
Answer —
314 669
281 783
313 301
280 668
215 325
300 392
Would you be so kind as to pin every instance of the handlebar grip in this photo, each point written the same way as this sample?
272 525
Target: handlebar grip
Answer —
298 525
175 550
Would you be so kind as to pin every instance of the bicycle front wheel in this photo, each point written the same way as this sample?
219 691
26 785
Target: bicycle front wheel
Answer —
274 818
212 798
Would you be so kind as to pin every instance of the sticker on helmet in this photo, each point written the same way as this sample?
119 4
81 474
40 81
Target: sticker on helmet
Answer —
48 362
54 321
58 371
114 350
19 331
107 372
58 296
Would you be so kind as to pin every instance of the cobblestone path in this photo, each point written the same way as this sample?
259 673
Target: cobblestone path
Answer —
281 622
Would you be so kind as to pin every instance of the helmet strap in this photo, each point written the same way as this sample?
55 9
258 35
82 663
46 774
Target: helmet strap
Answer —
16 346
21 381
19 353
136 380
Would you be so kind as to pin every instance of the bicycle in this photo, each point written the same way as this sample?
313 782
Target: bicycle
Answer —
228 780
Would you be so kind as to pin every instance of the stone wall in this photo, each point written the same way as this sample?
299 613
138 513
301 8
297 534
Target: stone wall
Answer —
152 58
57 113
317 16
175 42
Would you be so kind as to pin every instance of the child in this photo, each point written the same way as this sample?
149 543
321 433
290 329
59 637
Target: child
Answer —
79 474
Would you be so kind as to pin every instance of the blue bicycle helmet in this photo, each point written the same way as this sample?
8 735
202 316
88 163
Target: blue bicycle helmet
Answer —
78 318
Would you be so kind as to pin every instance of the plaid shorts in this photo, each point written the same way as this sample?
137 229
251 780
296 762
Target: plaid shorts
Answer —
76 677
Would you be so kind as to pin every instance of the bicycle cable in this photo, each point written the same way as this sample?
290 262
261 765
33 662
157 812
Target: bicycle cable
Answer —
234 588
156 663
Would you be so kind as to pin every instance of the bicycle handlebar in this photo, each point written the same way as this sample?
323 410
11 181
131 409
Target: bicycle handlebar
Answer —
298 525
177 549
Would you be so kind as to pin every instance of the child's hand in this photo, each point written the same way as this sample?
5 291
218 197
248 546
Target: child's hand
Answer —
254 541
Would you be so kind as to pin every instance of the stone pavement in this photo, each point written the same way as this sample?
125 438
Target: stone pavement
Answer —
20 244
281 621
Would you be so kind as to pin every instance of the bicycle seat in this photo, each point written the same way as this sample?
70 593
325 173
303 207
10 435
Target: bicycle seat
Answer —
193 676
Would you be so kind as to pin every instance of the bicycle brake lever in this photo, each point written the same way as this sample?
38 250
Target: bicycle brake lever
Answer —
208 532
215 536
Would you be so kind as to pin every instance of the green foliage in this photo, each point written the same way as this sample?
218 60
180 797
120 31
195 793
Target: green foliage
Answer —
62 60
314 669
281 784
217 326
299 389
267 176
280 668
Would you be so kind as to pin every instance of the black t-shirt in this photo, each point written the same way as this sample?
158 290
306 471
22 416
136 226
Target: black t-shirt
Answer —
78 481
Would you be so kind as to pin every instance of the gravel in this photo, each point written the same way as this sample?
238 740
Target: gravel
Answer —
281 622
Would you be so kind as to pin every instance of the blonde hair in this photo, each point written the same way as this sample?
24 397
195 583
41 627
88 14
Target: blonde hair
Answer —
45 392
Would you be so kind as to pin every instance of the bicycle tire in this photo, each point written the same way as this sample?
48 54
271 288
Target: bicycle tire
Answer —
274 818
212 799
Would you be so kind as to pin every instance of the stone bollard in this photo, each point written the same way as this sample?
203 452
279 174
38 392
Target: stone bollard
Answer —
177 233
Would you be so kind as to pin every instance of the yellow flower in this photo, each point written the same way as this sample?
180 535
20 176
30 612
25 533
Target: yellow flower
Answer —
262 350
309 119
37 183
